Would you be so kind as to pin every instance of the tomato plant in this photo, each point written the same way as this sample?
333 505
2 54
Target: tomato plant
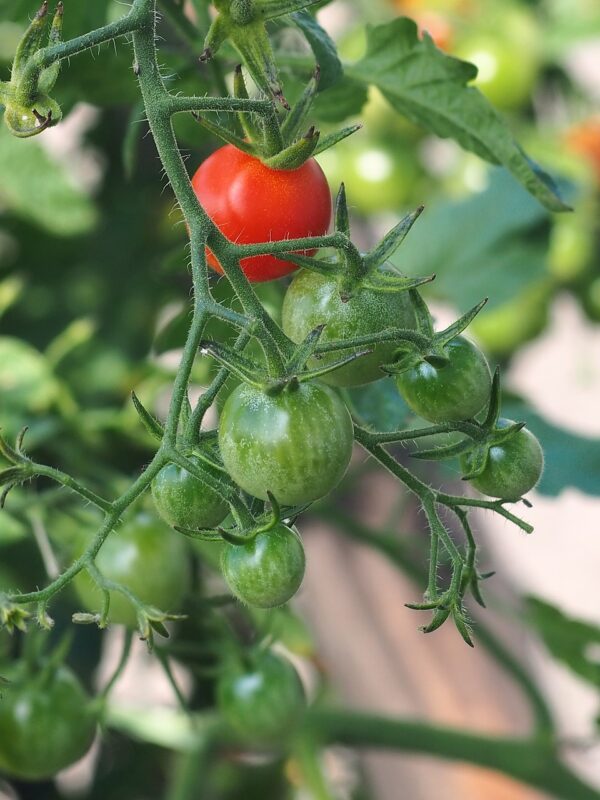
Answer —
262 699
46 723
183 501
250 202
268 570
448 391
225 403
148 559
296 443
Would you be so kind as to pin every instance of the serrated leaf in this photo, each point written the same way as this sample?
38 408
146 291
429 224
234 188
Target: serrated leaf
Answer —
379 405
493 243
431 89
36 188
570 459
340 102
322 46
569 640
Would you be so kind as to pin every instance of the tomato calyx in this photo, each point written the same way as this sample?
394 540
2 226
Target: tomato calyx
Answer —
293 371
276 139
29 108
355 270
429 345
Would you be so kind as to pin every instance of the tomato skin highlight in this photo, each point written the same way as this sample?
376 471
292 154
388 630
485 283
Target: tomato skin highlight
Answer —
250 202
184 501
264 701
45 727
296 444
454 392
148 558
267 571
313 299
513 467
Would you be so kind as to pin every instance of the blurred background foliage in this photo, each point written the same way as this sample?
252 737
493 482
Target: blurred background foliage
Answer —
94 294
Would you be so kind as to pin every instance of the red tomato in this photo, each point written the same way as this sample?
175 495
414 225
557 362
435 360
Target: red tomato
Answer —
251 202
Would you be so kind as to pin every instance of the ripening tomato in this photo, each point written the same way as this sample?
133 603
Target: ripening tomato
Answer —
251 203
584 139
296 444
267 571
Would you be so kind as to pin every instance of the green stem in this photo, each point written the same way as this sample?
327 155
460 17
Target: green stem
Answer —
28 85
70 483
125 652
393 547
532 761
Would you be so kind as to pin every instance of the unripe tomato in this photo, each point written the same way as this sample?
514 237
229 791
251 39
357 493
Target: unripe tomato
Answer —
296 444
513 467
503 329
506 55
456 391
149 559
46 724
313 299
184 501
264 701
379 176
251 202
266 571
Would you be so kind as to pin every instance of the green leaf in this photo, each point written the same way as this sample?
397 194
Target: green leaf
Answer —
570 640
430 88
492 244
379 405
340 102
35 187
322 46
570 459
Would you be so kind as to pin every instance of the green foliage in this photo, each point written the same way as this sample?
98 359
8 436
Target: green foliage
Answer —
430 88
572 460
36 188
571 641
115 262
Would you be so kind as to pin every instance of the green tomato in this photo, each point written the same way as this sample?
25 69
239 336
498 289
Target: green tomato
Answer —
313 299
513 467
45 725
149 559
296 444
266 571
507 70
184 501
456 391
504 329
263 701
378 176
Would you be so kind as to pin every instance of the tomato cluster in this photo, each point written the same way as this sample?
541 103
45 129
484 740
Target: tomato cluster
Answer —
293 441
